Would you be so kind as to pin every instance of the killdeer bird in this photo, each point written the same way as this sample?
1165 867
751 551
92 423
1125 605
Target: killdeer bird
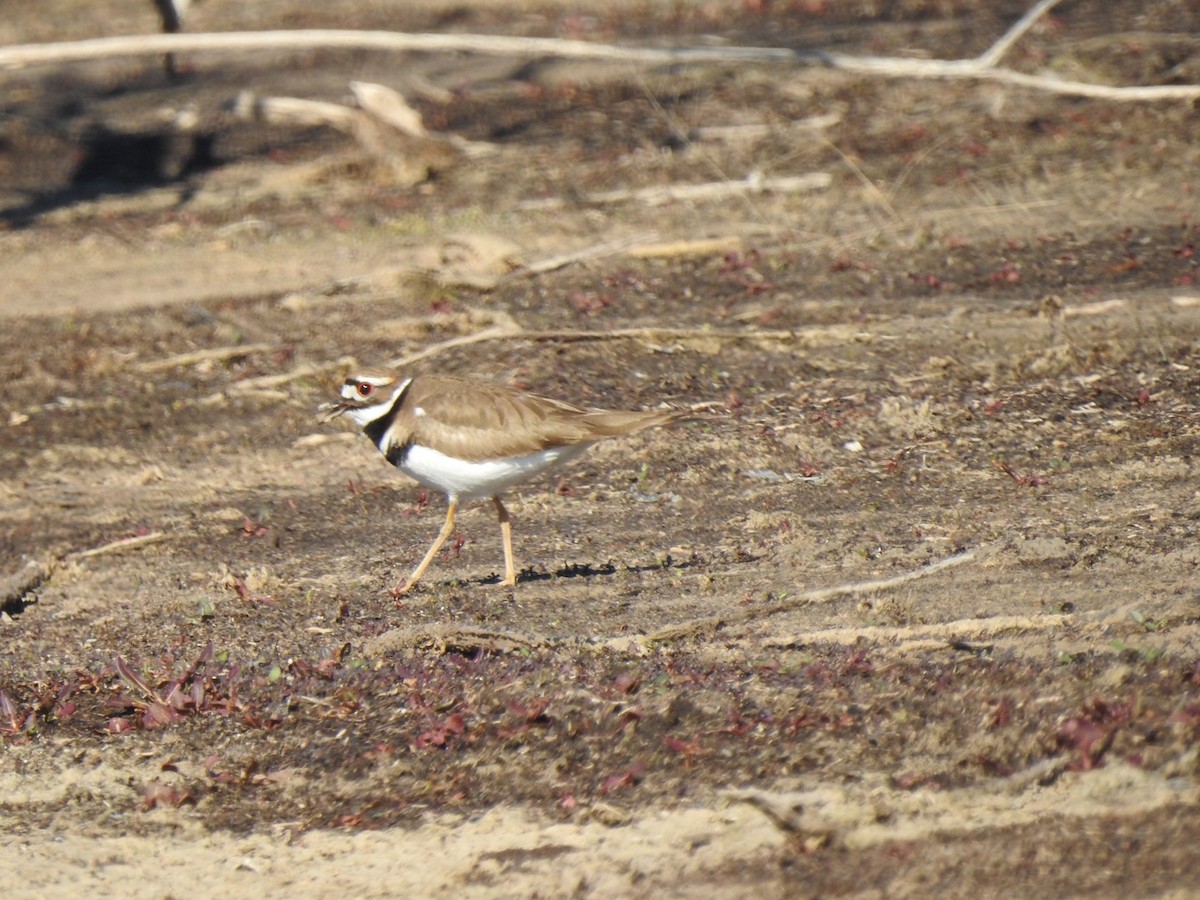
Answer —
472 440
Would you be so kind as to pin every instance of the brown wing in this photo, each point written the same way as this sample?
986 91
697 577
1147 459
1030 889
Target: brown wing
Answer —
475 420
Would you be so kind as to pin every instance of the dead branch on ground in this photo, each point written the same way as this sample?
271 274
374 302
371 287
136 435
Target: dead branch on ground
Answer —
441 639
596 251
506 332
922 637
754 183
196 356
382 116
474 638
128 543
14 588
708 624
984 67
35 573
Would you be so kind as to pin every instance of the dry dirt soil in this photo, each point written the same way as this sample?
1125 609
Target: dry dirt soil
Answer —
907 607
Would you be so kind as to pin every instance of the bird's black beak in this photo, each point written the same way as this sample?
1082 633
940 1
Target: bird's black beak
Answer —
329 411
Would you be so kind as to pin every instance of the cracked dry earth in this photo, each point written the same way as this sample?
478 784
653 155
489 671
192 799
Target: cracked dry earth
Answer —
908 606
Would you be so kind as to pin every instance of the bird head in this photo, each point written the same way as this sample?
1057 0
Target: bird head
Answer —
364 398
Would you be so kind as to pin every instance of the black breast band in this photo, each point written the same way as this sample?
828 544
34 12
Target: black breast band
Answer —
398 453
376 429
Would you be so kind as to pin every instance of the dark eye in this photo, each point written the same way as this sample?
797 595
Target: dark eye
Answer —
365 389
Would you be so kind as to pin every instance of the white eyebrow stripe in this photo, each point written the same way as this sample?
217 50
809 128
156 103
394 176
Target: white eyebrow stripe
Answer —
350 385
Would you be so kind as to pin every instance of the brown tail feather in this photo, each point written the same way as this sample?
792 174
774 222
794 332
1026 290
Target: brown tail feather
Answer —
612 423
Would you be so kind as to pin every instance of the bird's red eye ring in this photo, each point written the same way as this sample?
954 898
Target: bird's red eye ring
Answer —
365 388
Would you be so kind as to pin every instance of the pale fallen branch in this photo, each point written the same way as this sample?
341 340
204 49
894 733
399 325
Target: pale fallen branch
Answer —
267 382
262 394
868 812
733 132
388 41
1184 301
981 68
505 329
596 251
698 247
389 107
919 637
248 106
384 117
656 333
116 546
474 638
316 440
639 246
513 332
709 624
488 334
764 129
754 183
217 398
266 385
458 638
31 576
1099 308
16 587
197 356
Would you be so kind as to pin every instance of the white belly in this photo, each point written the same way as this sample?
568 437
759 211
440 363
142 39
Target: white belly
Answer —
479 480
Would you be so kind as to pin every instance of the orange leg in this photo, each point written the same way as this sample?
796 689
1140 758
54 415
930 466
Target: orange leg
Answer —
510 571
448 529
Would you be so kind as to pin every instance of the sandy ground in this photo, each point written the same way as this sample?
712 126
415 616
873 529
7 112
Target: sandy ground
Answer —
906 607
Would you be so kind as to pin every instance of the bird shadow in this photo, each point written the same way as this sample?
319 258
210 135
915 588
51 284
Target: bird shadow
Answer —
589 570
117 163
